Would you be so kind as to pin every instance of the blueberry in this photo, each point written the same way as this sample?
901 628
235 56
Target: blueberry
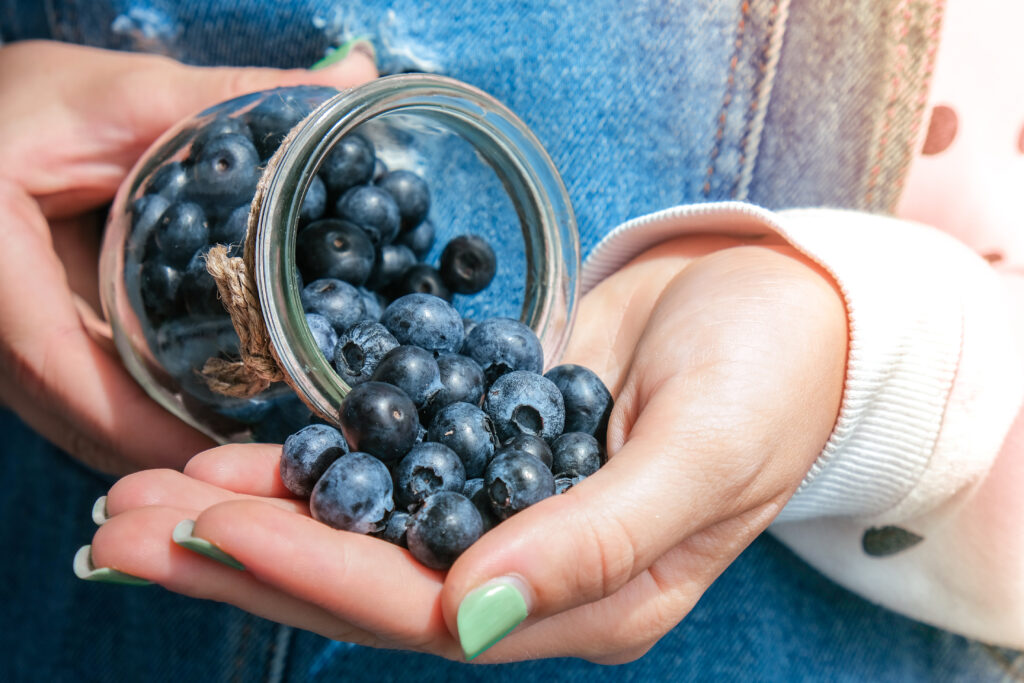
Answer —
286 415
169 181
315 202
272 119
373 303
588 403
424 321
225 173
522 402
330 248
420 239
323 333
222 125
159 284
380 419
563 484
422 279
534 445
231 229
441 530
462 379
146 213
379 170
395 530
425 470
576 454
373 210
335 300
359 350
515 480
502 345
354 494
468 431
180 233
467 264
476 491
391 263
183 345
413 370
349 163
467 326
410 194
199 289
307 454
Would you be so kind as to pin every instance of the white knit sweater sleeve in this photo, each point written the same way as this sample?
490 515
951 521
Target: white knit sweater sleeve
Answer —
934 382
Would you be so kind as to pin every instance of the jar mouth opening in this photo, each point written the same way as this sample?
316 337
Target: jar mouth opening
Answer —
498 136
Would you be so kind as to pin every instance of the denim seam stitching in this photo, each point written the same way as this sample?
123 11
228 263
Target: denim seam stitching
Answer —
751 141
727 98
279 654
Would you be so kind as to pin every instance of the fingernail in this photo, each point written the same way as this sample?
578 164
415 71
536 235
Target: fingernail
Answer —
99 511
84 569
489 613
361 44
182 535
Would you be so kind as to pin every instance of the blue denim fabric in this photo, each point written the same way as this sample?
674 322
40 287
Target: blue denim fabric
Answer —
642 105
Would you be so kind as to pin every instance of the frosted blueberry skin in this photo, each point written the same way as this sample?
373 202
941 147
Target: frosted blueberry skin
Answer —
563 484
353 494
425 321
307 454
420 239
395 529
502 345
231 229
588 403
391 263
441 530
425 470
360 349
314 204
532 444
270 120
379 419
468 264
323 333
522 402
422 278
462 381
336 300
373 210
468 431
330 248
373 303
349 163
411 195
224 173
169 181
576 454
181 231
475 490
413 370
515 480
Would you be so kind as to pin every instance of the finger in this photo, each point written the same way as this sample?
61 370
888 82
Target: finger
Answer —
139 543
170 487
707 433
372 584
56 377
254 469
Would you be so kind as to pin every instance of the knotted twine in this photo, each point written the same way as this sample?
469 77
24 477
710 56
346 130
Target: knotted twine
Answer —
258 366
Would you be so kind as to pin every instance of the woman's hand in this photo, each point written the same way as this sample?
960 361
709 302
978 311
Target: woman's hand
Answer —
727 364
73 121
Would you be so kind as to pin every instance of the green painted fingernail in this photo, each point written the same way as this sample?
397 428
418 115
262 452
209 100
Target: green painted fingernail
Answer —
84 569
488 614
99 511
357 44
182 535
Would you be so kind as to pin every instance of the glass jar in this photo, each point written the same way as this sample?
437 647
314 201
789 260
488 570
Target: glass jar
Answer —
487 175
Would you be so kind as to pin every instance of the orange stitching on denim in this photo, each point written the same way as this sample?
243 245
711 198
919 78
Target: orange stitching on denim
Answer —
729 85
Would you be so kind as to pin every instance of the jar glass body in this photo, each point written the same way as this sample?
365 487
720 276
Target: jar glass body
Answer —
486 173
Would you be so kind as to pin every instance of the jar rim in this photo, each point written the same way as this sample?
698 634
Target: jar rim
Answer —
502 140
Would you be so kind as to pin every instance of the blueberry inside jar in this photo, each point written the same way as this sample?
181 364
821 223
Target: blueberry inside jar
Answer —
244 217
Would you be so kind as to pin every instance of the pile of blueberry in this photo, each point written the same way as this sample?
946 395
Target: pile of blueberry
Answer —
449 429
